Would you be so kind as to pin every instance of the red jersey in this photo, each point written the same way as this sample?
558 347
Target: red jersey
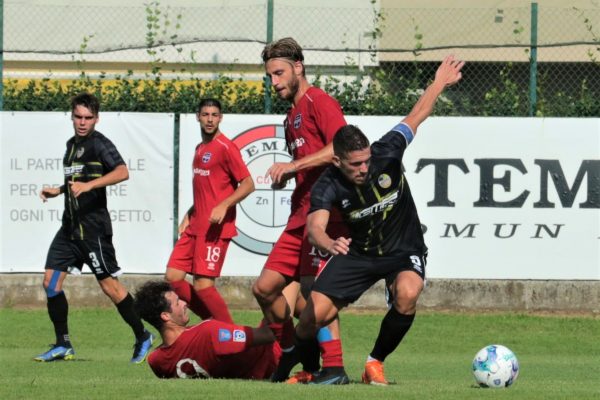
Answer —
218 168
215 349
309 126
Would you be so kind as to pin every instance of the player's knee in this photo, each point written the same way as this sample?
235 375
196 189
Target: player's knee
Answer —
51 284
50 288
260 292
260 295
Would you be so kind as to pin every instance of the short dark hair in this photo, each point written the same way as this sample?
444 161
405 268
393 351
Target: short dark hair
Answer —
87 100
150 302
349 138
209 103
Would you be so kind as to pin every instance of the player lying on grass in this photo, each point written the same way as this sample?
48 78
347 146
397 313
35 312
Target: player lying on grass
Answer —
210 349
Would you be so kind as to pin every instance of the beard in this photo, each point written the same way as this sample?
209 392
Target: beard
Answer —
292 89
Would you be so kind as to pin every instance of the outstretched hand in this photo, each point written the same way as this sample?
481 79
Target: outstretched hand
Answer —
448 72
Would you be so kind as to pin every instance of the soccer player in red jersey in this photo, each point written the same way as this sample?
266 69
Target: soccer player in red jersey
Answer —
210 349
310 124
221 180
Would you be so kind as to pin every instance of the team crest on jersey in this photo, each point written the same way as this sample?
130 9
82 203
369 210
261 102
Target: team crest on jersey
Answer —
239 336
224 335
384 181
297 121
206 157
80 152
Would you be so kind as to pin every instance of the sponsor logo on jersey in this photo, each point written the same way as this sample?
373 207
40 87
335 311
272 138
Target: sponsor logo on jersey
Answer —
345 203
201 172
74 169
384 181
224 335
387 203
239 336
299 142
80 152
211 266
297 121
206 157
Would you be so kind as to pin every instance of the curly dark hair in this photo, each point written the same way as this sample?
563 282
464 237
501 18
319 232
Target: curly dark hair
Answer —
150 302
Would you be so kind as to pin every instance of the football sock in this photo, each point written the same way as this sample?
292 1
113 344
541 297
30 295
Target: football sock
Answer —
331 350
215 304
186 292
308 352
58 310
129 315
393 328
331 353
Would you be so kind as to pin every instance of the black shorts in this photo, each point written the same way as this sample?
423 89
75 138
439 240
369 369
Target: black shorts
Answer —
347 277
69 255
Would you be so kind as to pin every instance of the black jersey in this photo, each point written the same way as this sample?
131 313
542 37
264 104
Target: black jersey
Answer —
88 158
381 214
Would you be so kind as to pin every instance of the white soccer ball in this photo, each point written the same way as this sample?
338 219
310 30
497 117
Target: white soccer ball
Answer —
495 366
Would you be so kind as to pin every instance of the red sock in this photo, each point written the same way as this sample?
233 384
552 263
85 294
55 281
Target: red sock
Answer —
186 292
331 353
215 304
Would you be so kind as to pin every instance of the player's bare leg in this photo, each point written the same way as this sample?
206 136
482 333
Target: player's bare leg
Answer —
293 297
268 291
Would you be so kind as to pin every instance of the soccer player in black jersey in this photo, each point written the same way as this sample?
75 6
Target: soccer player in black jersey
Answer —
367 185
91 163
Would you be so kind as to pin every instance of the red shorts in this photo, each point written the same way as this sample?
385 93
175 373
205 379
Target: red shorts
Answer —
198 255
294 256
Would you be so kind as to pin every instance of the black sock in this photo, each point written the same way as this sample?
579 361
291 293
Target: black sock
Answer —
306 350
128 314
393 328
58 310
312 357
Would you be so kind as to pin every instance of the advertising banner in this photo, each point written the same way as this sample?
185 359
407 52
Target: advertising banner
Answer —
32 147
498 198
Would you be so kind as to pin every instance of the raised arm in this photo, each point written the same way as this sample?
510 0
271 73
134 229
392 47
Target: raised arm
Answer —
447 74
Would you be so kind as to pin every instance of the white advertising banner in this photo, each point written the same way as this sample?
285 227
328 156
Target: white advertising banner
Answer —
32 148
499 198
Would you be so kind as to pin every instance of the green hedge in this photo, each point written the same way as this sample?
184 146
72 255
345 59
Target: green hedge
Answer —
384 95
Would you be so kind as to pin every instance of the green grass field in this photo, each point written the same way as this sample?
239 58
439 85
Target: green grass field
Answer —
559 357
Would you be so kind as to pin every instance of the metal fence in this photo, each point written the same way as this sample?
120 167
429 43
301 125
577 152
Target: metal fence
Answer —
374 56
